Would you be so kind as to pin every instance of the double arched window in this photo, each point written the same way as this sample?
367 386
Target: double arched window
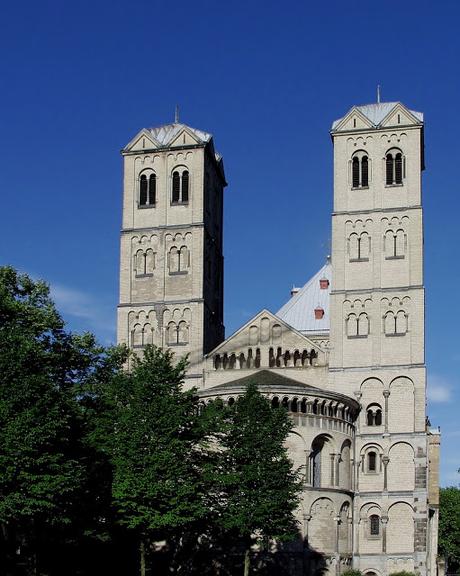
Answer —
395 323
177 333
374 415
147 189
395 244
394 167
360 170
358 325
180 186
359 247
179 260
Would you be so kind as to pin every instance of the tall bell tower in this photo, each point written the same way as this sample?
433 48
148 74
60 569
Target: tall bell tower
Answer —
377 331
171 260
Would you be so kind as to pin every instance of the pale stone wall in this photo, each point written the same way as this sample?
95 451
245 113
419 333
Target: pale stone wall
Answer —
171 273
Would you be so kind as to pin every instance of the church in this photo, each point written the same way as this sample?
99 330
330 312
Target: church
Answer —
344 355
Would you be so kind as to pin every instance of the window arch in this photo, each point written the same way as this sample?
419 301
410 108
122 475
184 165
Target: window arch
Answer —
360 170
178 260
394 167
395 244
147 189
359 247
374 415
358 325
180 185
395 324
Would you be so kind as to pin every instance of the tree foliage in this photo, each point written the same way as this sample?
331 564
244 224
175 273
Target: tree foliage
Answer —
151 430
449 526
258 488
45 476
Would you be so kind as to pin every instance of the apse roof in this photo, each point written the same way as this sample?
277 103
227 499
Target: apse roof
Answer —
167 132
375 113
299 310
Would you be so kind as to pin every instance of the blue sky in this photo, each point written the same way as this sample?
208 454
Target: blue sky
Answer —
79 79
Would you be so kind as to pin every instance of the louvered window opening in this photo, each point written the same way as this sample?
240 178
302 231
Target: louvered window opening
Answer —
180 187
394 169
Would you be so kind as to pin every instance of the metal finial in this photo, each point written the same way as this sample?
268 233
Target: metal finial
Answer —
378 93
176 115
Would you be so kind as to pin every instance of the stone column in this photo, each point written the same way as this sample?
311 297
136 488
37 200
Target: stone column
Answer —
386 394
333 456
384 522
306 521
307 467
337 470
337 528
385 461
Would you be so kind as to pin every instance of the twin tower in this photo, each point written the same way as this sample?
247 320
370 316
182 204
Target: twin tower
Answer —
345 355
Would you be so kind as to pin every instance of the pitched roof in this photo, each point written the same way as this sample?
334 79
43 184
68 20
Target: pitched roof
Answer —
375 113
167 132
268 380
299 311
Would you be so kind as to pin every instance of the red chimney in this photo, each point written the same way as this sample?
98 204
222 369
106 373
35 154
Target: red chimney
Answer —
319 313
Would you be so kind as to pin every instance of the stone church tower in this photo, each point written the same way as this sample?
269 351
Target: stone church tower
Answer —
171 263
344 355
377 331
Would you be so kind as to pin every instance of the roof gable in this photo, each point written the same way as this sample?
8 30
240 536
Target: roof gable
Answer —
265 329
142 141
354 120
377 113
399 115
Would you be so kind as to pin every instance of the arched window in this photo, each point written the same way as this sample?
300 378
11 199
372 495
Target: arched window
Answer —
171 334
184 259
180 186
182 333
395 244
394 163
389 169
173 260
360 170
395 324
398 168
352 325
372 461
136 336
363 324
143 187
152 195
185 183
364 172
374 415
374 525
401 322
355 172
147 189
176 187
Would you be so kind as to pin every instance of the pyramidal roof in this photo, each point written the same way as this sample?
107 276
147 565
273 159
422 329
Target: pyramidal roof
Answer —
375 113
167 132
299 311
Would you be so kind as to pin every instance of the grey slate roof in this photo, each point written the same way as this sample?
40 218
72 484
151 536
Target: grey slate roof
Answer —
166 133
299 311
377 112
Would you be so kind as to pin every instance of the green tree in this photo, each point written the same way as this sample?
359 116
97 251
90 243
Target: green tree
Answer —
257 486
151 430
449 527
42 467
